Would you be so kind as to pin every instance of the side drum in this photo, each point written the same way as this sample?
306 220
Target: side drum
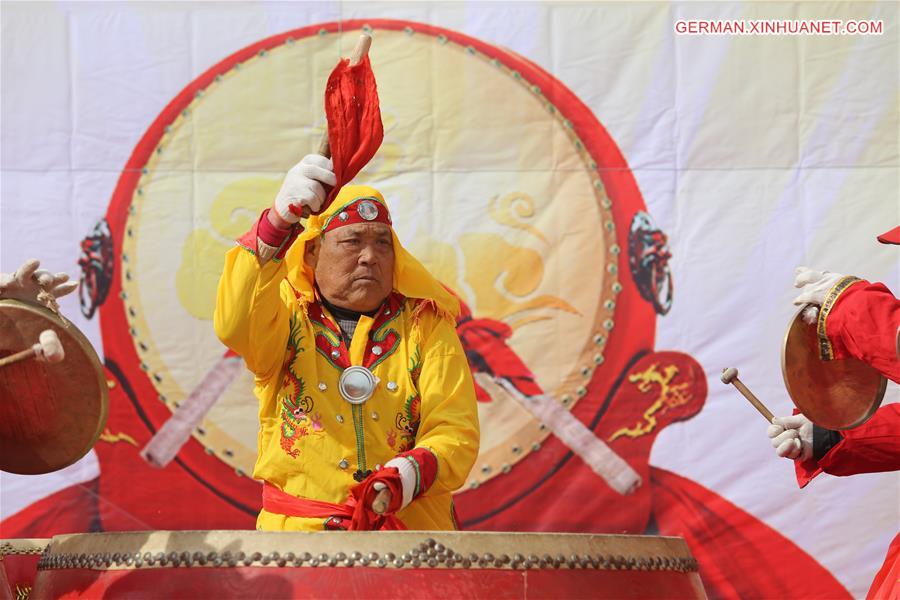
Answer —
50 414
396 564
834 394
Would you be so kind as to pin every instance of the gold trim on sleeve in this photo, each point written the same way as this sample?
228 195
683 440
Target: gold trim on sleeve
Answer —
826 352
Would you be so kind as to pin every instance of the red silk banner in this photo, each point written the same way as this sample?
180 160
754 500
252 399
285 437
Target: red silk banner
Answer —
355 130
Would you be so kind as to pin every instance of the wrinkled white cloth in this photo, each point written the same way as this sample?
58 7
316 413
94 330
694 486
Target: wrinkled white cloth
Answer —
304 186
792 437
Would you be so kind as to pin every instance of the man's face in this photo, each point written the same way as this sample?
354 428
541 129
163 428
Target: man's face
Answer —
354 265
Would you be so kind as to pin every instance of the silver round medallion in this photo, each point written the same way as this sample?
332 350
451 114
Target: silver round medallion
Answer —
357 384
367 210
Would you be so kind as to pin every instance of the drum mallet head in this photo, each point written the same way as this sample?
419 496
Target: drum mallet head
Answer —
48 349
730 375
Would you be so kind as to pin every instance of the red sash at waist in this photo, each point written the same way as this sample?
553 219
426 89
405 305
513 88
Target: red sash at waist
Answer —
359 517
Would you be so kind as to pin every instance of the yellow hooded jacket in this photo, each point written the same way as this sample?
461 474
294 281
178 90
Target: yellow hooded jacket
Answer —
312 441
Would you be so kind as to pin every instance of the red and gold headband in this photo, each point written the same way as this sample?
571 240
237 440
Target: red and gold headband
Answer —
363 209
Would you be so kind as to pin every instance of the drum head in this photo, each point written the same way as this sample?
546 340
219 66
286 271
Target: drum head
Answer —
835 394
50 414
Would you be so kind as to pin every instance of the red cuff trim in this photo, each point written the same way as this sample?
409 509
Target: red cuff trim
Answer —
270 235
890 237
426 466
806 471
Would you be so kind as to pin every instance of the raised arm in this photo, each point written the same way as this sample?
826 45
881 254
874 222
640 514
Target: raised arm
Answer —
253 303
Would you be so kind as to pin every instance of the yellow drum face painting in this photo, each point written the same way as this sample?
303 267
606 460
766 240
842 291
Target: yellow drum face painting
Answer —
491 184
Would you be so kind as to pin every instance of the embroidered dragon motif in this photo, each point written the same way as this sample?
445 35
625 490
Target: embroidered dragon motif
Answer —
415 366
296 408
407 422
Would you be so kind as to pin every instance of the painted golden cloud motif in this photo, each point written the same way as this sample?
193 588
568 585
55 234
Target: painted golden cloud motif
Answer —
233 212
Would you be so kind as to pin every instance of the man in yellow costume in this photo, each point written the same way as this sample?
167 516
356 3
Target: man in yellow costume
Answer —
367 409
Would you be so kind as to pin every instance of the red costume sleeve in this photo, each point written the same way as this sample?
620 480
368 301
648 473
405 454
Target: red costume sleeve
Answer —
861 321
363 494
872 447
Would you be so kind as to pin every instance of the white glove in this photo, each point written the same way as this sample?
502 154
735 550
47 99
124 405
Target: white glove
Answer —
814 285
304 187
792 437
29 281
407 478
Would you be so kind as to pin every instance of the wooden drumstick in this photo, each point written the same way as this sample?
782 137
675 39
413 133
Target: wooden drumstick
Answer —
48 349
382 500
730 375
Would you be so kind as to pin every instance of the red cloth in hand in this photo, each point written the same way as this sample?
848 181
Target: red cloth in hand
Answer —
355 131
362 495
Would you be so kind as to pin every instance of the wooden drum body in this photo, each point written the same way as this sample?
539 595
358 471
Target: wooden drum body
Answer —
396 564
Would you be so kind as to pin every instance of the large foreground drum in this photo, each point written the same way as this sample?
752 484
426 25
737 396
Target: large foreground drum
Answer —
396 564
